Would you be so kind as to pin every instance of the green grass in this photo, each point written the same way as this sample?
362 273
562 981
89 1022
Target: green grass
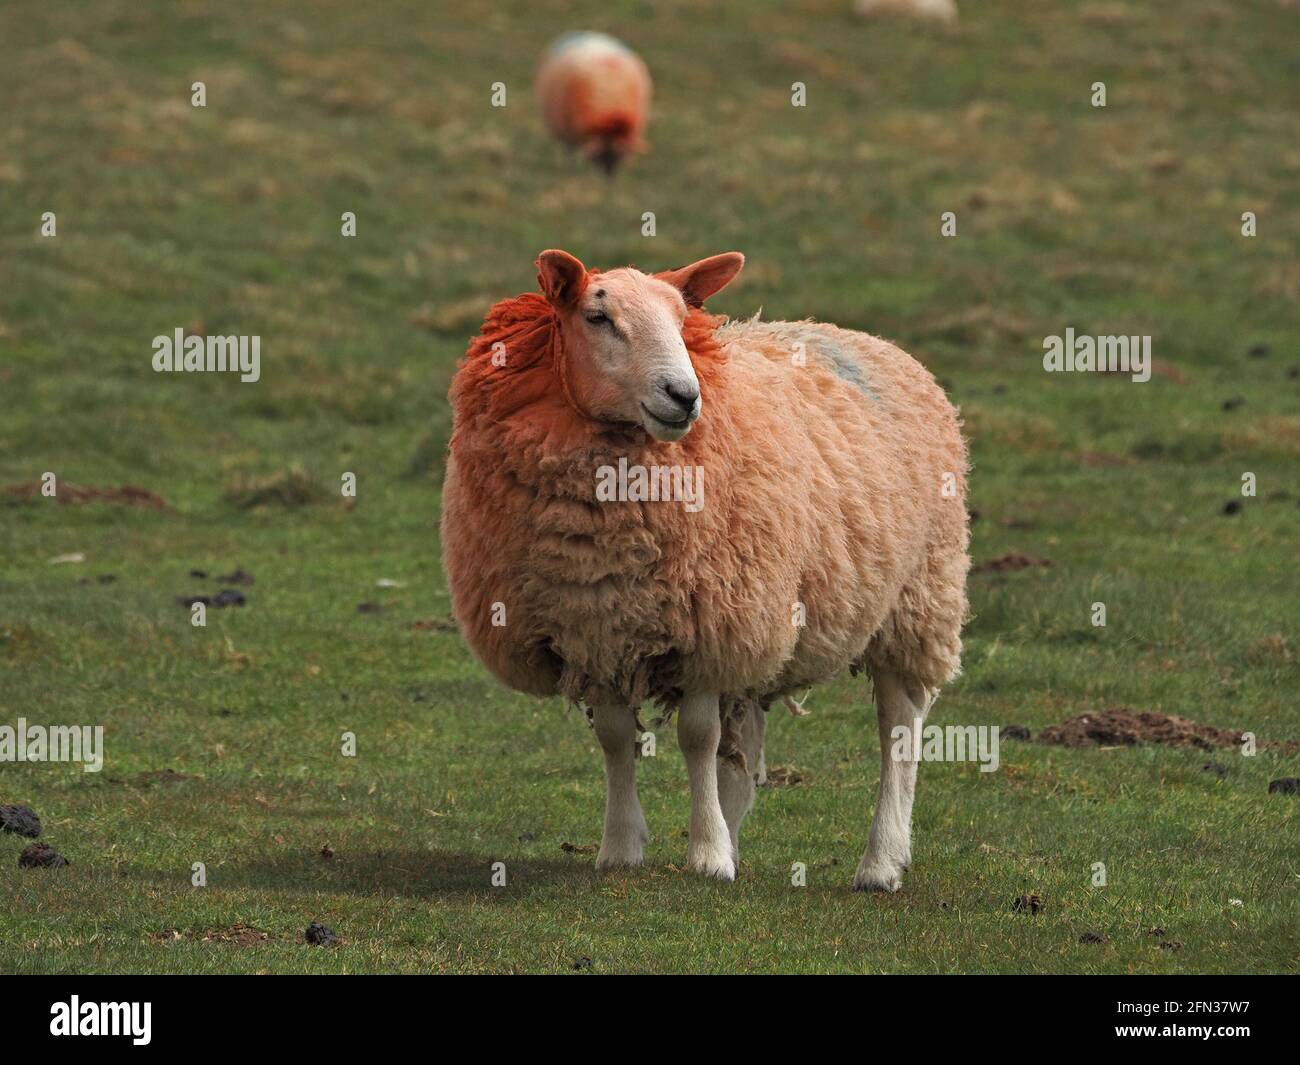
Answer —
226 219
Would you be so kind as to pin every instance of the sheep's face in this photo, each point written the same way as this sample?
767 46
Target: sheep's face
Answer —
622 335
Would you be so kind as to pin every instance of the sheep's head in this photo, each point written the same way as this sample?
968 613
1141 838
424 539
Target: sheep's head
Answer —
621 332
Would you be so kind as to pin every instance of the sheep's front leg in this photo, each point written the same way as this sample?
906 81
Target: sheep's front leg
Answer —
698 730
625 835
889 847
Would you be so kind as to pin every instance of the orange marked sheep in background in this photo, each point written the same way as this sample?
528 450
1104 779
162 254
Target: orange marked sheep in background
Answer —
644 502
940 10
594 93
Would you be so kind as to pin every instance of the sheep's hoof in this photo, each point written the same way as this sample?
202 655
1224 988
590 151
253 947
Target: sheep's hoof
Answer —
625 855
877 876
608 863
719 865
878 885
623 849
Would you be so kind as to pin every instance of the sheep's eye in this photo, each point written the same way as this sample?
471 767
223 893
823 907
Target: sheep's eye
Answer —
598 319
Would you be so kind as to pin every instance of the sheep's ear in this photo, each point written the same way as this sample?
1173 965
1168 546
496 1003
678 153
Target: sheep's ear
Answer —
701 280
561 277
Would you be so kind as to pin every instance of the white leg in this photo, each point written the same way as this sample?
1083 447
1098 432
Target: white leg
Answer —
698 731
624 839
736 789
889 847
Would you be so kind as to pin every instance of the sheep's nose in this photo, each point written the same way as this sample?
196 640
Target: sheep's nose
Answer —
685 394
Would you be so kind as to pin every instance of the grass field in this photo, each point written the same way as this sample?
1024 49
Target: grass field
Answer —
226 219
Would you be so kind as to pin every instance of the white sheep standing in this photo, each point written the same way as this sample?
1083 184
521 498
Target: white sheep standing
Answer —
830 531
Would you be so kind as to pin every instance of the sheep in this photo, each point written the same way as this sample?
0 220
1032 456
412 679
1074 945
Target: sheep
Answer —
594 92
940 10
832 532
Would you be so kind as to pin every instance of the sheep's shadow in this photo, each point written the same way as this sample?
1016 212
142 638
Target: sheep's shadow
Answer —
400 872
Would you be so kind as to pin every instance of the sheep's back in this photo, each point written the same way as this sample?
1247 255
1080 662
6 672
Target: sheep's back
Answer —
837 502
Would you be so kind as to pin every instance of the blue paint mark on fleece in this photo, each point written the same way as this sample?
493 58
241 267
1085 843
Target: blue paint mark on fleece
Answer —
844 364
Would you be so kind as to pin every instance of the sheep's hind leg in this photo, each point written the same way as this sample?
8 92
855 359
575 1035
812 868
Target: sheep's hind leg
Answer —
899 702
625 835
736 786
698 730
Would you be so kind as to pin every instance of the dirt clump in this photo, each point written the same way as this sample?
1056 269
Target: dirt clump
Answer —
783 776
1121 727
41 856
224 598
20 820
130 495
321 935
1030 904
238 934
